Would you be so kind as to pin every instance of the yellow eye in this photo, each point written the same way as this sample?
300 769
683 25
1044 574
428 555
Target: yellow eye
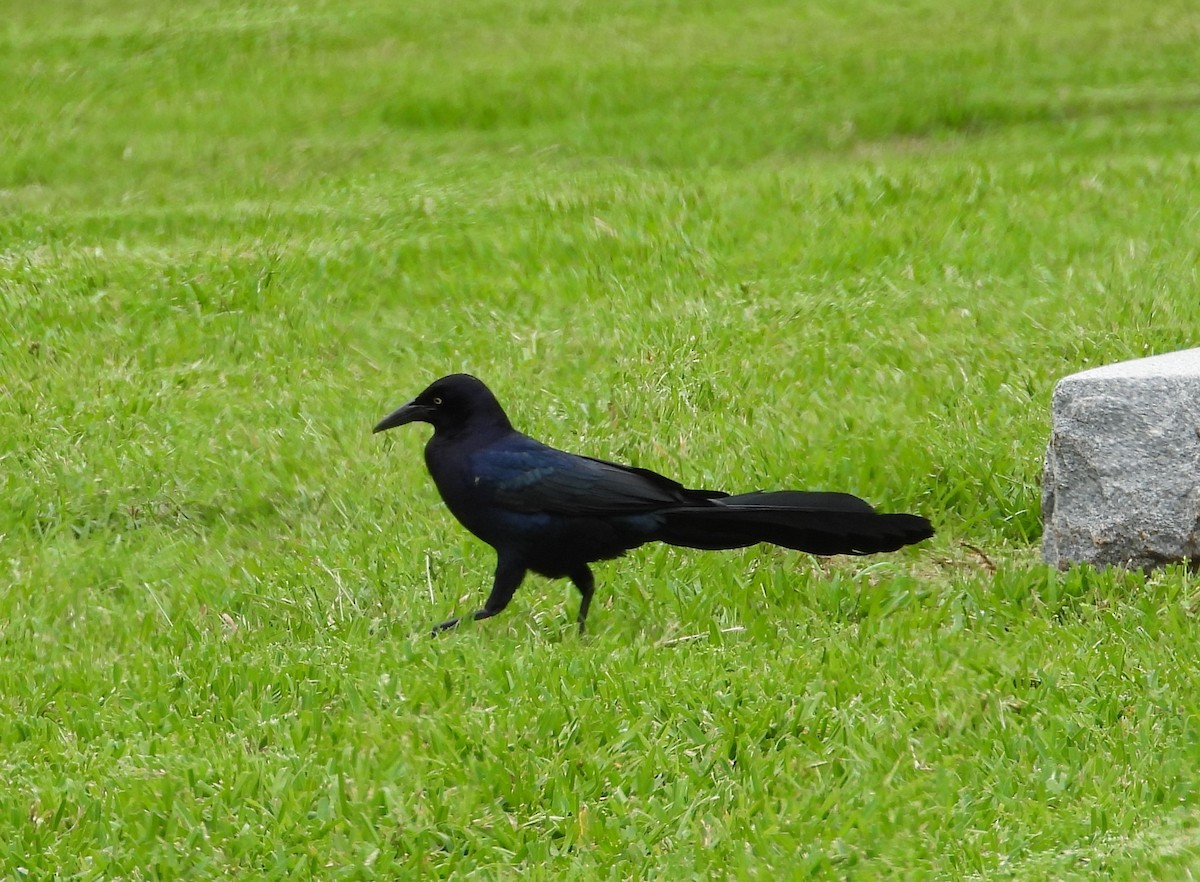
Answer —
437 401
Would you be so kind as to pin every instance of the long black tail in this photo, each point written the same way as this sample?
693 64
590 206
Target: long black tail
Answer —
819 523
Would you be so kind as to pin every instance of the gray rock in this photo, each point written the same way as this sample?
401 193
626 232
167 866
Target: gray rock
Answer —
1122 477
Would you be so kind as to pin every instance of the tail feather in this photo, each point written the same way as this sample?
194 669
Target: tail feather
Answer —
819 523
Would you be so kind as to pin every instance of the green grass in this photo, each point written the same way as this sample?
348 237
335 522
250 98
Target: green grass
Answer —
824 245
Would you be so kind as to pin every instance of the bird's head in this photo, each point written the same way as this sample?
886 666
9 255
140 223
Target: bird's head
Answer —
450 405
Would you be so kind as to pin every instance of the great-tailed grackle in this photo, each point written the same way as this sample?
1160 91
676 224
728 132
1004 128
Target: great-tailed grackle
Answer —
555 513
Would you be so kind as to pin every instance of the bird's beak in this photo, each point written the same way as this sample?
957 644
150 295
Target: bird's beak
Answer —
409 413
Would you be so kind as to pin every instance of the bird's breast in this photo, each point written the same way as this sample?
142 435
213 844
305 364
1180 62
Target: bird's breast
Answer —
468 493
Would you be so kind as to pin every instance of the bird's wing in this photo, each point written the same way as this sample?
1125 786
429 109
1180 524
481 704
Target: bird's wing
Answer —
527 476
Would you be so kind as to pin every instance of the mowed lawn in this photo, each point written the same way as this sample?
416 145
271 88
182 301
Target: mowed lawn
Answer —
825 245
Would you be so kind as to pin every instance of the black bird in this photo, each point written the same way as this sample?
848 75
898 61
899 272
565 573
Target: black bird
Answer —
555 513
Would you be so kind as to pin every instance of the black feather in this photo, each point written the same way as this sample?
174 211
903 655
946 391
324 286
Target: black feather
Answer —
555 513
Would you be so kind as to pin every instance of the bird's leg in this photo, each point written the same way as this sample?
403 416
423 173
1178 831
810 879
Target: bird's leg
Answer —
508 578
586 583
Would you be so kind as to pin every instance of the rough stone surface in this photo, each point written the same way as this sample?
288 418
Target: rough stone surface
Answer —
1122 478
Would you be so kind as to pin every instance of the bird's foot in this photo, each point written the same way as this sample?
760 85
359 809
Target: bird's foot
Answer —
445 626
484 613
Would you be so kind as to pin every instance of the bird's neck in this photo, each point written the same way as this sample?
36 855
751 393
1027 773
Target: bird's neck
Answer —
475 432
